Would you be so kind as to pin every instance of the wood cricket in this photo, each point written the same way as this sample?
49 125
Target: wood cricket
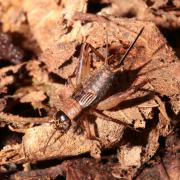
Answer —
91 90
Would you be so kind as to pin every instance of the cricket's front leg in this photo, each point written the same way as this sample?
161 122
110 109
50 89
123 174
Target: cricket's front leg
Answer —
82 125
89 133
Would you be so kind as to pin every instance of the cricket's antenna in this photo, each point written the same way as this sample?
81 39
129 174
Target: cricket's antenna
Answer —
131 46
107 53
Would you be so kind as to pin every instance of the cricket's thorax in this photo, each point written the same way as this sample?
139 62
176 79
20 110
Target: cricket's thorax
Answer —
71 108
95 88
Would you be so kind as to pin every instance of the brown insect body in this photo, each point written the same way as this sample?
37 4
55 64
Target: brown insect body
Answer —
92 91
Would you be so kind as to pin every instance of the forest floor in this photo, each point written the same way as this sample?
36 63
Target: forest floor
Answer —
51 52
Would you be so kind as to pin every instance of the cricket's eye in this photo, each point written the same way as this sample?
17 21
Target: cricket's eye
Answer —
61 116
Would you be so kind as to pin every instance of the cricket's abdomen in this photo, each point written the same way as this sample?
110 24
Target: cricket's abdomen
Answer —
95 88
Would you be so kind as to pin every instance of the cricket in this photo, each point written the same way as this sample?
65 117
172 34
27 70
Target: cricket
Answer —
91 91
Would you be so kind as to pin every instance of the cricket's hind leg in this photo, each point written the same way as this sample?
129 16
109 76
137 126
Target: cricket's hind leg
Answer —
117 98
108 118
114 100
83 67
82 70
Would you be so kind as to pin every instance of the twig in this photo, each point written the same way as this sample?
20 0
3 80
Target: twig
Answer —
10 118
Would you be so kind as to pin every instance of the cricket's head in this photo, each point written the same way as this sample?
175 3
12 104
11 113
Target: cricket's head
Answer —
61 121
69 111
61 116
